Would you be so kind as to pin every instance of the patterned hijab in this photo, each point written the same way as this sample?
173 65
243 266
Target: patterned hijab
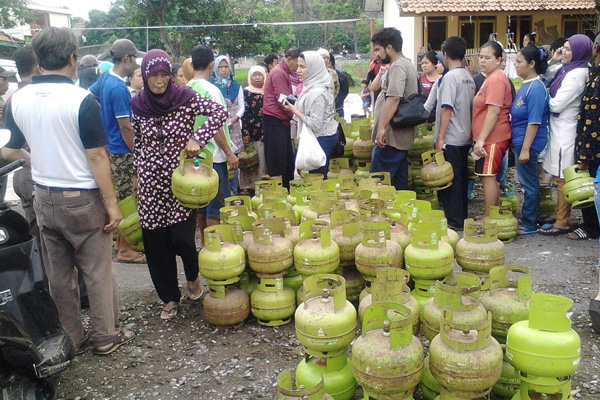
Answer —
254 89
150 105
229 86
581 47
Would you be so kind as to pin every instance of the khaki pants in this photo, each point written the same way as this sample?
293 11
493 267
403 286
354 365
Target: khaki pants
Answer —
563 209
72 239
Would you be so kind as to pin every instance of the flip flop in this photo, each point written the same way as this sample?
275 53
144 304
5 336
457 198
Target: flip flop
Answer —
594 311
169 311
196 290
545 219
553 231
523 231
119 341
140 258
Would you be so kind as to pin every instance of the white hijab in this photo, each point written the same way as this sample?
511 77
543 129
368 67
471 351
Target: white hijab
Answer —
318 78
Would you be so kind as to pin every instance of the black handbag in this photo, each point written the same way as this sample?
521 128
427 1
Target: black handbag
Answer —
410 111
338 150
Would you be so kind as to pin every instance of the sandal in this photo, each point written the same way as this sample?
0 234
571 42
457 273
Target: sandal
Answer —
140 258
195 289
524 231
546 219
122 338
169 311
594 311
578 234
85 346
553 230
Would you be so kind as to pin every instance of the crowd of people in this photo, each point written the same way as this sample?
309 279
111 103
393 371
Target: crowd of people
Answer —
551 123
121 129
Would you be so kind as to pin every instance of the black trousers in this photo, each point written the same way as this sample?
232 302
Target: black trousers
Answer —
454 198
279 152
590 217
161 246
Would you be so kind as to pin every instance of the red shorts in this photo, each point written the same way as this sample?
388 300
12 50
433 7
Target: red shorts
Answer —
489 165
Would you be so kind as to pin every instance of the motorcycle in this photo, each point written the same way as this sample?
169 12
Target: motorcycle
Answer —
34 348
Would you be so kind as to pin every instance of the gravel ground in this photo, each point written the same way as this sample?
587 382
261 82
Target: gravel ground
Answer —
188 359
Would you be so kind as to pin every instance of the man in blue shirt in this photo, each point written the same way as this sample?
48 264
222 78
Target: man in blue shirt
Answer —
115 105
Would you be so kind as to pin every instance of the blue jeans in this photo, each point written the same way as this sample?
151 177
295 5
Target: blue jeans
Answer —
390 159
327 143
528 177
501 175
235 183
597 204
212 210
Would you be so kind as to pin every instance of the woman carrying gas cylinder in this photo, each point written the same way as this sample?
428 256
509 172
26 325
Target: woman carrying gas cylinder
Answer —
163 121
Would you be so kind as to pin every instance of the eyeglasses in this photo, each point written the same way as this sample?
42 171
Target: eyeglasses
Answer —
160 136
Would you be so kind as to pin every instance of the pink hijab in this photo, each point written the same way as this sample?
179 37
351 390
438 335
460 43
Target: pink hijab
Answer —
254 89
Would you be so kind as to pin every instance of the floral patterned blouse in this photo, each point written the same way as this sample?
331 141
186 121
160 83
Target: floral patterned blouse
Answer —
157 144
252 121
587 146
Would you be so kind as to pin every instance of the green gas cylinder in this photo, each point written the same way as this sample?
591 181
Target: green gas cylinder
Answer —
479 249
288 388
336 373
226 306
579 187
346 232
316 253
272 303
325 321
544 350
376 250
271 252
222 260
390 286
194 182
507 298
427 257
507 223
461 293
471 347
387 359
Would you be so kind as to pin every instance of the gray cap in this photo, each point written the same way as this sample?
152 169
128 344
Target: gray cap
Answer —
88 61
4 73
125 47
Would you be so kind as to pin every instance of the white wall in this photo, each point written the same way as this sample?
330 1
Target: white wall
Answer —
406 25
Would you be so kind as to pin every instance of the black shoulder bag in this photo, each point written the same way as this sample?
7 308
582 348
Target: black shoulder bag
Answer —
410 111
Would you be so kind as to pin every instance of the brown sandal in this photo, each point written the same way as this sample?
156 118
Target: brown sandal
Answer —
169 311
195 289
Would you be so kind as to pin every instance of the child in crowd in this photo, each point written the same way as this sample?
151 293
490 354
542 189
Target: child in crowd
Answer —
366 97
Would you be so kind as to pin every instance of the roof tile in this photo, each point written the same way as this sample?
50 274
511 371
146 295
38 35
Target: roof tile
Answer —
461 6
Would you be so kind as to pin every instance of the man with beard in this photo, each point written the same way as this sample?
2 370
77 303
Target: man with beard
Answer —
398 81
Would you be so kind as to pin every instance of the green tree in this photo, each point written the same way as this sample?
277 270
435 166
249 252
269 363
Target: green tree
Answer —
259 39
13 13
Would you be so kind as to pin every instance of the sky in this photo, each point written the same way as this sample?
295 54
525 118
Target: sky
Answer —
79 8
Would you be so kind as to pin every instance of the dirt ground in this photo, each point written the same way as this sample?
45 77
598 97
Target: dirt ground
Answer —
188 359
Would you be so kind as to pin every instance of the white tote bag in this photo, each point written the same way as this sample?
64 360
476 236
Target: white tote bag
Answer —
310 155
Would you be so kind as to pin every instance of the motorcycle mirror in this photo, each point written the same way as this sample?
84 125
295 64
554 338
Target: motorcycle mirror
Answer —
4 137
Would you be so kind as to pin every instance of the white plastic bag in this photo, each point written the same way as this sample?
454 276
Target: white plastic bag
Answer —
310 155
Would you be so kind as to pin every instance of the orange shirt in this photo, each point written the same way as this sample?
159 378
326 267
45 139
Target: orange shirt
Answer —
495 91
